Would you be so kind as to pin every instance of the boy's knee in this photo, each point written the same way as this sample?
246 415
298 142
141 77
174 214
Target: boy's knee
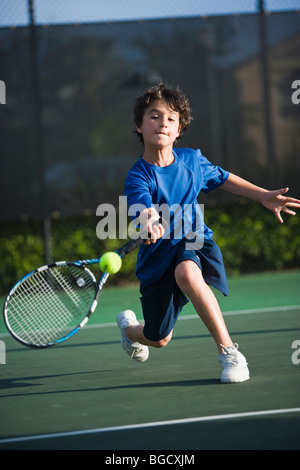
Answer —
162 342
185 273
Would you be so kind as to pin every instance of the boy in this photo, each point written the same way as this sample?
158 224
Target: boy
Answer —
169 271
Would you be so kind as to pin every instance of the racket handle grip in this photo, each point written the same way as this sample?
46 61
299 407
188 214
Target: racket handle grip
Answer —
129 247
133 244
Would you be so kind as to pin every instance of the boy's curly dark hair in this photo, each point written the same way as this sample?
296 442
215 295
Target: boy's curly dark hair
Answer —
174 98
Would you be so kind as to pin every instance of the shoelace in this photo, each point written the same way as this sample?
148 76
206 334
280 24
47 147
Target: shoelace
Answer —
230 353
226 350
136 349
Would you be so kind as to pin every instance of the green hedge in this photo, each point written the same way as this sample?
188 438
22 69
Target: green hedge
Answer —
251 239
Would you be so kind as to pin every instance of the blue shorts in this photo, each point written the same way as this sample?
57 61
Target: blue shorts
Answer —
163 301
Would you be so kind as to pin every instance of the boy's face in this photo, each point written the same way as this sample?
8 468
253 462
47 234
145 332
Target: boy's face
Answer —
160 126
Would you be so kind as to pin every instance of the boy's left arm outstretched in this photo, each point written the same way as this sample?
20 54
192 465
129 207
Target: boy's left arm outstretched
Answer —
272 200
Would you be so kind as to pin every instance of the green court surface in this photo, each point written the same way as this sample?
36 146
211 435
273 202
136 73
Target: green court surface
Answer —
88 394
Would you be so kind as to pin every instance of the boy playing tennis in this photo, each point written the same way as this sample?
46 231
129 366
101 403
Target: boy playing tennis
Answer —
170 272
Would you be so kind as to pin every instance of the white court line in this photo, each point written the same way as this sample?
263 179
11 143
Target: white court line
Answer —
228 313
191 317
248 312
151 425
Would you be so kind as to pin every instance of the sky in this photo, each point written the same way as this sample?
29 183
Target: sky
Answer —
15 12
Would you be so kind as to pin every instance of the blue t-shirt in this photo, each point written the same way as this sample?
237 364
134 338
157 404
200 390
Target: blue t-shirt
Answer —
177 187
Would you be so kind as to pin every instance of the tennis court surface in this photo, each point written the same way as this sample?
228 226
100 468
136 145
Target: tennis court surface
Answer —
88 394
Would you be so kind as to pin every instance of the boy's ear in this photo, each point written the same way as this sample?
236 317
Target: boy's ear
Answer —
138 129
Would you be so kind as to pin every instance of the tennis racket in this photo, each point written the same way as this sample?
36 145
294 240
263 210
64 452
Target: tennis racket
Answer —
53 302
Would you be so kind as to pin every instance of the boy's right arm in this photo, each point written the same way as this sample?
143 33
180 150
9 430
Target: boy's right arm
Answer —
137 191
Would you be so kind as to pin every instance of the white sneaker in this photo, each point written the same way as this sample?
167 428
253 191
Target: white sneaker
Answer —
136 351
234 365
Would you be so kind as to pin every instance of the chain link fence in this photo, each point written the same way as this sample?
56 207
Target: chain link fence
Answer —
72 71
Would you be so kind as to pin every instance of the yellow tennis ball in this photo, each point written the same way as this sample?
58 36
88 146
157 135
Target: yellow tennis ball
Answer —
110 263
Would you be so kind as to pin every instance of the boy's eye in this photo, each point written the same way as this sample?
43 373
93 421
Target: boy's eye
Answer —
156 117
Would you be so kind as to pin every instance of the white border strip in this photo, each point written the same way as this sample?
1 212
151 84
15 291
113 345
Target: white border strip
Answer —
151 424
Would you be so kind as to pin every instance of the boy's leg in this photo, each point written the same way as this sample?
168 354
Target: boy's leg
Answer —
134 349
132 337
161 302
190 280
135 333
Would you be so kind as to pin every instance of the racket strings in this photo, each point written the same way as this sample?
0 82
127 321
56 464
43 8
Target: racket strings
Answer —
38 310
49 303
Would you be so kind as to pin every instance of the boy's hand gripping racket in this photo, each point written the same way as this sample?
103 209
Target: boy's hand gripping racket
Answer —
52 303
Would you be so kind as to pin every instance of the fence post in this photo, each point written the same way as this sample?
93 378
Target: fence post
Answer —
266 96
39 137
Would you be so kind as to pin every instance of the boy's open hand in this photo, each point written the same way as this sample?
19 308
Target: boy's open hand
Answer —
276 202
